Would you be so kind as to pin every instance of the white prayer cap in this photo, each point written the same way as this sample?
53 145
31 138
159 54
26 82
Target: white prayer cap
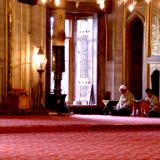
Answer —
122 87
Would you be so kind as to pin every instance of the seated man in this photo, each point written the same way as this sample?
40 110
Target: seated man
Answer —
124 106
154 110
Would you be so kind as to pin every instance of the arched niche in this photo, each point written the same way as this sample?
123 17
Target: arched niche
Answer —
134 53
155 81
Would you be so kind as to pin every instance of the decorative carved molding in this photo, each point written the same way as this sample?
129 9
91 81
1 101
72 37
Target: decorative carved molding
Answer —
134 15
155 31
153 59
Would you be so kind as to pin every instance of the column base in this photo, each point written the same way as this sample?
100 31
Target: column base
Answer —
56 103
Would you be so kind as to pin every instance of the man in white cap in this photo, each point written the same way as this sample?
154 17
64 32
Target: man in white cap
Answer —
124 106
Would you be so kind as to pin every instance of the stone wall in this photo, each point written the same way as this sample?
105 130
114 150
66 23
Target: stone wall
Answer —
2 49
21 37
154 55
114 53
116 65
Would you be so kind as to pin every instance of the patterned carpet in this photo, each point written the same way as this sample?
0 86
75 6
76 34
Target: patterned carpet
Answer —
79 137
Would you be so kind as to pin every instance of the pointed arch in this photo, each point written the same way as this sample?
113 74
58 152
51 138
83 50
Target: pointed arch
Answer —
135 14
155 80
134 52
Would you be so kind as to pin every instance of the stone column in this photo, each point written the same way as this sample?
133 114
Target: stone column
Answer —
58 56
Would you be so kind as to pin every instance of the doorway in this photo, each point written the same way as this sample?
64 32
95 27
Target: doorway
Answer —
155 82
135 57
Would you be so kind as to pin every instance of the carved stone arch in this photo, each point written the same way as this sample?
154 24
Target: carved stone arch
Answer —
154 67
155 78
134 52
135 14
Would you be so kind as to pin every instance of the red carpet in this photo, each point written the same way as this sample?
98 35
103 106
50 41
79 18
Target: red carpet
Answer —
75 123
89 138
